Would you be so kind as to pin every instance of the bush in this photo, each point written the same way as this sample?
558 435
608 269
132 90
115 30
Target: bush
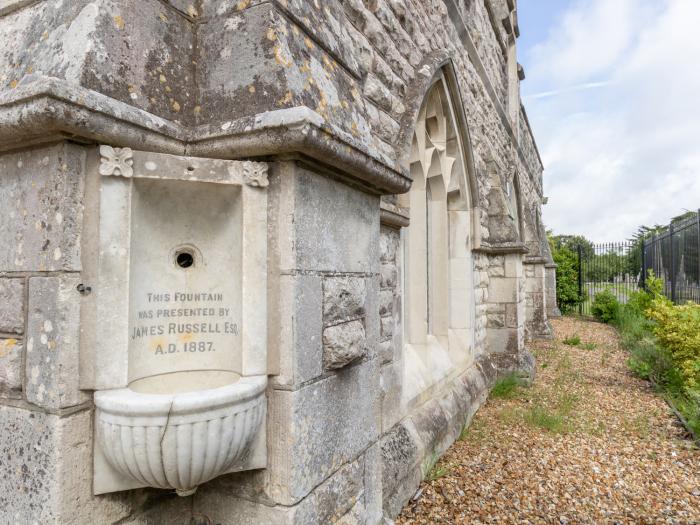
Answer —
605 306
640 301
650 359
677 328
568 297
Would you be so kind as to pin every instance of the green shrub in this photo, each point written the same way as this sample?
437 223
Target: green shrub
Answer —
651 360
640 301
568 296
605 306
677 329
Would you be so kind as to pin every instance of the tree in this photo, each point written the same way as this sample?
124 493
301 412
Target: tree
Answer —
568 297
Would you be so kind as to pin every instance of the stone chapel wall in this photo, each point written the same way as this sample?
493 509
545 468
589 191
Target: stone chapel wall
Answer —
327 93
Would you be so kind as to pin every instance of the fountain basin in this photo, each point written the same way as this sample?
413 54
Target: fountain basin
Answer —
178 441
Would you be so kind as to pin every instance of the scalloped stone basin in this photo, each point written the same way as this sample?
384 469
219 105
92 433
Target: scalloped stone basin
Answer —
178 441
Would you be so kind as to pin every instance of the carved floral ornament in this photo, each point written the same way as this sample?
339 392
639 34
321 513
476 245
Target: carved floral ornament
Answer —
255 174
116 161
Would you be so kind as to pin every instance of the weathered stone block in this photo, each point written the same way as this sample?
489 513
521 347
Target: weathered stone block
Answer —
389 240
10 368
402 454
503 290
495 320
328 503
12 305
47 476
430 422
41 193
315 430
389 275
387 327
299 317
401 448
53 342
391 379
343 298
386 351
336 226
386 302
342 344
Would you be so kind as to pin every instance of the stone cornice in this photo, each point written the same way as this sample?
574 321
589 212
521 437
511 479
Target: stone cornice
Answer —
50 109
535 260
393 216
501 249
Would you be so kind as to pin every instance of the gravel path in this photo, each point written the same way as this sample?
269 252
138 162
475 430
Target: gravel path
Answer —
587 443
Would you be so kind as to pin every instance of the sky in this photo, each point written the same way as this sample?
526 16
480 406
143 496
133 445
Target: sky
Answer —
612 91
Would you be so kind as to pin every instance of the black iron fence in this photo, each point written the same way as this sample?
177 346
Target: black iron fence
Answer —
673 255
615 267
621 268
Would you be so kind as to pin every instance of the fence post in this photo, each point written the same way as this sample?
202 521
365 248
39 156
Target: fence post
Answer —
673 265
580 278
643 280
698 253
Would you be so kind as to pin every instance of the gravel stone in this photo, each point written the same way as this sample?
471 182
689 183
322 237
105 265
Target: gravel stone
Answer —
617 456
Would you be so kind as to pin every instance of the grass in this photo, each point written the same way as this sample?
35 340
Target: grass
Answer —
589 346
434 469
574 340
541 417
506 387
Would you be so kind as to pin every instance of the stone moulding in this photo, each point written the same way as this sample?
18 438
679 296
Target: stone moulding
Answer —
182 440
48 110
500 249
393 216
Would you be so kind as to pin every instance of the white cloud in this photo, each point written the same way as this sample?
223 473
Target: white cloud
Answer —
614 98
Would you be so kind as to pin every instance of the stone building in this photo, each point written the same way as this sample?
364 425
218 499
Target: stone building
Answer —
261 260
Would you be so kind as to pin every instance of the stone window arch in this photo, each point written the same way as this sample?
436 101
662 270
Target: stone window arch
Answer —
437 247
513 202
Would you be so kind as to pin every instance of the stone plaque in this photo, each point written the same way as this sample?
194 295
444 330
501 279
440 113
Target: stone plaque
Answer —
185 282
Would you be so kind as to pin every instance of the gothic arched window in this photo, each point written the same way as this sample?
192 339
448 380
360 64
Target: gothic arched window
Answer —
438 276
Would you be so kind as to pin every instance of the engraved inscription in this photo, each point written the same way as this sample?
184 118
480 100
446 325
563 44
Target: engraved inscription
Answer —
182 322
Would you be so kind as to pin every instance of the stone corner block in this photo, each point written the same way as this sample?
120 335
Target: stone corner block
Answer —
53 337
